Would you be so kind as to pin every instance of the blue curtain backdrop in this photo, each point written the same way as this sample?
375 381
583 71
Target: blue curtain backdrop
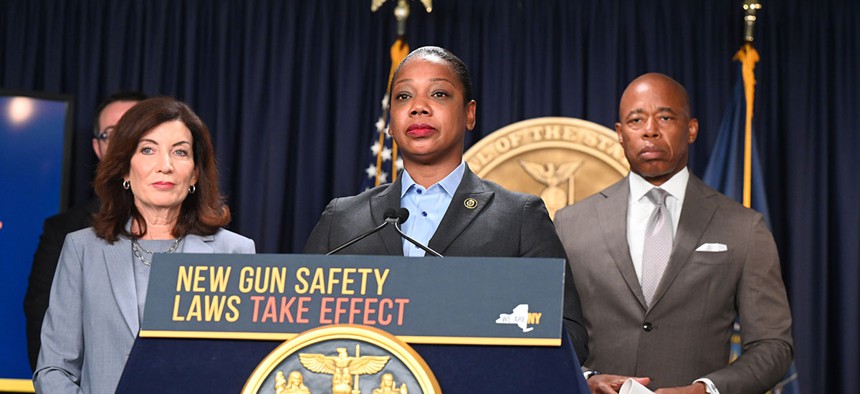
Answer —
290 90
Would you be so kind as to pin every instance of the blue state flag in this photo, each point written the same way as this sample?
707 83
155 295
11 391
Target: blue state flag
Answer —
735 170
725 170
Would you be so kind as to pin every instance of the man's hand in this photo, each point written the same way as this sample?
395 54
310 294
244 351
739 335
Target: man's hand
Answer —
610 384
695 388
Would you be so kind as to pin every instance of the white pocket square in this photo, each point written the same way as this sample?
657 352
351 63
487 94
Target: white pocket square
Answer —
712 248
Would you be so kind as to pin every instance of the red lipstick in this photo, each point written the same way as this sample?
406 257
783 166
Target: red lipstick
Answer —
419 130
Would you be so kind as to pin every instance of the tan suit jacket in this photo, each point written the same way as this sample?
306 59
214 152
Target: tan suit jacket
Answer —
685 334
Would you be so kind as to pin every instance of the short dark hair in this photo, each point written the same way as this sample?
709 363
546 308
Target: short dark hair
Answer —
123 95
457 66
202 213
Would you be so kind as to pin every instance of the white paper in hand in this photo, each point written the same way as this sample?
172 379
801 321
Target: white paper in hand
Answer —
631 386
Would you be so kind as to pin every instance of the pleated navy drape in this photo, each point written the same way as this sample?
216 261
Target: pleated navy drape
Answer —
291 90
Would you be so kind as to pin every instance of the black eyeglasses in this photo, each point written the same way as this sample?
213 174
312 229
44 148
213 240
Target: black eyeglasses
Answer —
104 135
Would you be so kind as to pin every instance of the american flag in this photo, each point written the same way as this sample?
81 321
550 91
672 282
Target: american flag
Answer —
383 162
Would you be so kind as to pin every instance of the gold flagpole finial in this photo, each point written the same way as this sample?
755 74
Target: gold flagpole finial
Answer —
401 12
750 8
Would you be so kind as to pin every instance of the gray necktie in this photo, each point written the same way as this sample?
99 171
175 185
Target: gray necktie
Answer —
658 244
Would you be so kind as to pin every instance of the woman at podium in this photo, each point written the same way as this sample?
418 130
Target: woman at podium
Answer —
159 193
451 211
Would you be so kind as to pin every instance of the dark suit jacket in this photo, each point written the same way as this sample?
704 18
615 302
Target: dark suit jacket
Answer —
45 263
504 224
685 334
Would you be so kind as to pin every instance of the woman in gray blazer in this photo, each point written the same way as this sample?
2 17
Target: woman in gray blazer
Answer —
158 187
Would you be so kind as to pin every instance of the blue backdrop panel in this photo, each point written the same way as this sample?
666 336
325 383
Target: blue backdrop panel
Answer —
32 135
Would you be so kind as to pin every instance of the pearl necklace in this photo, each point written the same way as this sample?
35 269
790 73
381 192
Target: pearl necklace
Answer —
136 248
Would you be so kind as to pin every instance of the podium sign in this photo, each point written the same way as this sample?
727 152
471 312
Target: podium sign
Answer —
455 300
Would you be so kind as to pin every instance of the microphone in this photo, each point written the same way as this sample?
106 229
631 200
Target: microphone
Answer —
391 217
402 215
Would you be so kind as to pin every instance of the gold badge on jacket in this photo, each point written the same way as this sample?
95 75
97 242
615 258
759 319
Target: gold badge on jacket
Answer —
343 359
562 160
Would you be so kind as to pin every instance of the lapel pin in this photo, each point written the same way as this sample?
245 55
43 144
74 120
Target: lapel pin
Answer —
471 203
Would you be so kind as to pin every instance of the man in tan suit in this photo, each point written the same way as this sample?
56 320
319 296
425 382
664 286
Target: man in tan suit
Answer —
667 321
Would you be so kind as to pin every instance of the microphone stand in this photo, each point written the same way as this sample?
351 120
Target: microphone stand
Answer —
393 218
426 249
360 237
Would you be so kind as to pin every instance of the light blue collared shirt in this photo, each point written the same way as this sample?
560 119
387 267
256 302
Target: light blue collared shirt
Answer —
426 207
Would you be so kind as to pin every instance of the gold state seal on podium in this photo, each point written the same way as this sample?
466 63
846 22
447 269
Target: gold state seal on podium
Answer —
343 359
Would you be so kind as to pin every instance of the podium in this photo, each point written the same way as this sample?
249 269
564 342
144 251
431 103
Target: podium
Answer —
161 365
203 364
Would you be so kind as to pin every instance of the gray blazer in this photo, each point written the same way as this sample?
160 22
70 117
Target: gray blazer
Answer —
92 319
685 334
503 224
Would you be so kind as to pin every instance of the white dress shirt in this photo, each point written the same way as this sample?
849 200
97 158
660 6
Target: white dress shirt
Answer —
639 209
